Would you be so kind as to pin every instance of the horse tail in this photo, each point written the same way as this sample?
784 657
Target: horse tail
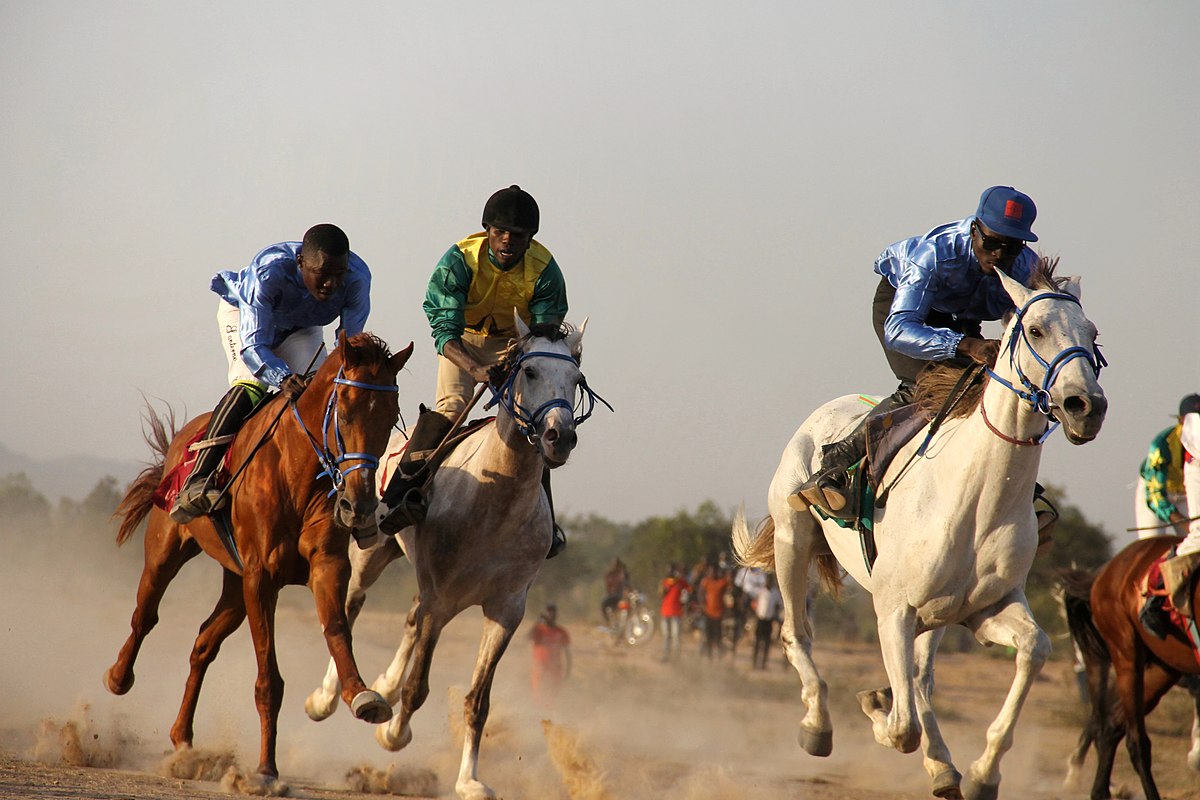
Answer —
139 498
757 549
1076 588
828 568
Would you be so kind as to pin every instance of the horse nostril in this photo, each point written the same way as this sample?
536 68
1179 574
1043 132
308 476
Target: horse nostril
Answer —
1077 406
551 435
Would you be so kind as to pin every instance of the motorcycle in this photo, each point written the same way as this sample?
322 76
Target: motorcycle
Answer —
633 622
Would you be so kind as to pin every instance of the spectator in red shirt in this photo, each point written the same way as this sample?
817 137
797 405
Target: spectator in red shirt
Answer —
674 591
551 658
712 592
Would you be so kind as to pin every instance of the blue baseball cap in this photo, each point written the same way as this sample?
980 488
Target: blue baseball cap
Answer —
1008 212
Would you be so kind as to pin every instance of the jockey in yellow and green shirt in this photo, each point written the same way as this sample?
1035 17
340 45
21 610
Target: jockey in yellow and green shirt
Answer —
469 302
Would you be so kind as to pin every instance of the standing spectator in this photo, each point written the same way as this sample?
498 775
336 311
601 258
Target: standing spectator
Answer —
616 584
767 602
551 658
712 593
675 590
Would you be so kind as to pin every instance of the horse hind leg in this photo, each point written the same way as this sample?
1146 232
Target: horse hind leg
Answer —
794 536
226 618
498 631
166 551
388 684
1192 684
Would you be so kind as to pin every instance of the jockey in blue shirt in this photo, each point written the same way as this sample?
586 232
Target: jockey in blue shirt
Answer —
934 290
270 317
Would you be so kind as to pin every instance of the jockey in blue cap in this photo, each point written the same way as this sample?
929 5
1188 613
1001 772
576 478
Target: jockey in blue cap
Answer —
933 292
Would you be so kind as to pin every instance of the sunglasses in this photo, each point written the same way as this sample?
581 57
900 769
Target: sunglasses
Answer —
993 243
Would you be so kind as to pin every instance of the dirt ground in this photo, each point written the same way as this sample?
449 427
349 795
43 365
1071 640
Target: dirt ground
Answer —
625 727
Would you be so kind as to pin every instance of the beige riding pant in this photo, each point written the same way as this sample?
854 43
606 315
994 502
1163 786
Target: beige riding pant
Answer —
455 386
296 350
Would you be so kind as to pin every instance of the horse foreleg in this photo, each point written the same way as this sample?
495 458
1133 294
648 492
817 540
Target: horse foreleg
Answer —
1141 685
166 553
426 630
943 775
1192 684
1011 625
793 536
328 577
225 618
898 727
366 565
498 628
261 599
388 684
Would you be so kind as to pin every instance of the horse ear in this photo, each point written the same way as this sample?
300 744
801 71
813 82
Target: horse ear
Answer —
1016 290
1071 287
397 361
575 341
522 328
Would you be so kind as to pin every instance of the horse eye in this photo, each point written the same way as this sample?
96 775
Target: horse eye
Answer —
1035 332
530 373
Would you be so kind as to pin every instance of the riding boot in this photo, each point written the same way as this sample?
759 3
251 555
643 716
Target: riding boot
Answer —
198 494
1178 573
559 540
404 496
829 487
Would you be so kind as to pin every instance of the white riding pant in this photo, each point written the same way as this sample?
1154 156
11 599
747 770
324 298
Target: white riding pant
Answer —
295 351
1191 483
455 386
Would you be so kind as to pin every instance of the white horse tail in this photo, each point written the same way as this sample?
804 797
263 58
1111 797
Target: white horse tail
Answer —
757 549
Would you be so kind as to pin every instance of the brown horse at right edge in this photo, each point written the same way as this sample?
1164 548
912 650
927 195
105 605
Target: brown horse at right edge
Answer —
1103 616
288 528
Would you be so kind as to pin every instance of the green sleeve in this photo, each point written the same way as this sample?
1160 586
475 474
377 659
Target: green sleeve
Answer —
446 297
549 302
1154 473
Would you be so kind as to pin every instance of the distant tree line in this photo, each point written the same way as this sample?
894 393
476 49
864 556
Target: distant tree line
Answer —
573 580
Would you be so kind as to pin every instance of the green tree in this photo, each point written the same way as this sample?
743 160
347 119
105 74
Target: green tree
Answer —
20 501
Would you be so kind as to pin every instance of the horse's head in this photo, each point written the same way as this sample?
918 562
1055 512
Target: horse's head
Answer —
360 411
541 384
1049 354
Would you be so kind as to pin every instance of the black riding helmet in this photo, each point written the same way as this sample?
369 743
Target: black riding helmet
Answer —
512 209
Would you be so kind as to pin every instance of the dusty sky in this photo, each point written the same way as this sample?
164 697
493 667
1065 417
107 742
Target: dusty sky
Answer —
715 183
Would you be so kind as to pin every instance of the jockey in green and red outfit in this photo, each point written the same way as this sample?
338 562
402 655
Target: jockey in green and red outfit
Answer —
933 292
469 303
1160 492
270 317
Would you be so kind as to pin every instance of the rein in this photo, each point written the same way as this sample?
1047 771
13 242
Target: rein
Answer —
528 421
1038 397
330 461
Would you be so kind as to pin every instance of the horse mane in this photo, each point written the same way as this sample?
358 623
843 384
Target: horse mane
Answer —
555 332
368 349
937 380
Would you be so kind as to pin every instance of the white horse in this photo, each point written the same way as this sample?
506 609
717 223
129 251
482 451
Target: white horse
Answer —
955 540
486 534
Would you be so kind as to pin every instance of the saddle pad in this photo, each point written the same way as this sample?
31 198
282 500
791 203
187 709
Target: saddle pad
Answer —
168 488
887 433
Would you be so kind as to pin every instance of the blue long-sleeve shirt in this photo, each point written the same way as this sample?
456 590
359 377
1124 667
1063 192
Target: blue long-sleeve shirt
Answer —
274 303
939 271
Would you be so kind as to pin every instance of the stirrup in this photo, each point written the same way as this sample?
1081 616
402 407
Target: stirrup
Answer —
829 495
558 543
194 501
411 510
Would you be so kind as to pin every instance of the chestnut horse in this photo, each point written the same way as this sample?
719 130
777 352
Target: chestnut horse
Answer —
1102 613
289 528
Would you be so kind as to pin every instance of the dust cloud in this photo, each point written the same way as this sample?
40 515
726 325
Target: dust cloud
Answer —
626 726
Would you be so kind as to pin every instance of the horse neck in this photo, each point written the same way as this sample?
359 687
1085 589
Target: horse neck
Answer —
1012 466
510 452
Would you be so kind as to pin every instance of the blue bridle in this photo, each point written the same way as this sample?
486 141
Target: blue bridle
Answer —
1037 396
331 462
528 421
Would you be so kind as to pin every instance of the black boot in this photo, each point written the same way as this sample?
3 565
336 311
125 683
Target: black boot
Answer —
559 540
403 496
198 494
829 487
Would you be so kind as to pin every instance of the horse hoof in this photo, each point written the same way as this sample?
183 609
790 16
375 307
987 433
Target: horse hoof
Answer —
387 742
474 790
946 784
115 686
317 710
370 707
979 791
816 743
873 700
